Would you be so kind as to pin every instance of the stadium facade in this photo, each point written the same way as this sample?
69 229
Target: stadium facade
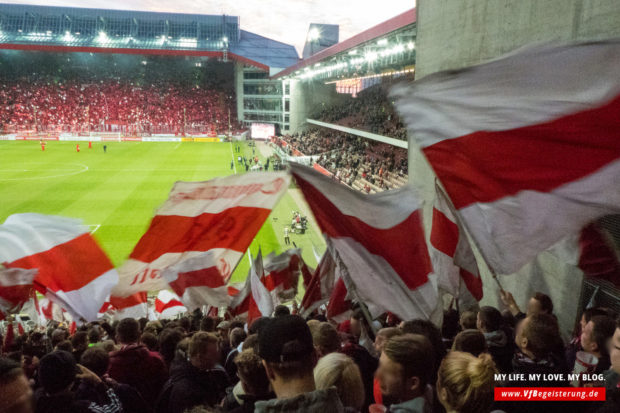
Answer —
84 30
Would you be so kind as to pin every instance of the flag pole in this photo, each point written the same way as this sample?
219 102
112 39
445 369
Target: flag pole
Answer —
463 224
344 272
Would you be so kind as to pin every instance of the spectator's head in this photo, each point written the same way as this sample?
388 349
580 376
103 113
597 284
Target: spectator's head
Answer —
203 350
208 324
285 345
587 316
251 373
465 382
450 325
326 339
470 341
58 335
237 336
96 359
384 335
257 325
223 329
357 323
251 343
596 335
340 371
79 341
614 349
15 391
128 331
281 310
94 334
467 320
64 346
57 371
430 331
489 319
168 340
405 366
149 340
540 303
537 335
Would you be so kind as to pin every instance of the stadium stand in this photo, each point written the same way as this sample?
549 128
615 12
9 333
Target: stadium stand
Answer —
359 163
372 110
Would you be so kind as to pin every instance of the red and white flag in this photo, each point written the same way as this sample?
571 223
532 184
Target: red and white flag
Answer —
453 259
526 146
254 299
199 235
133 306
73 270
320 286
15 288
168 305
339 305
282 274
379 239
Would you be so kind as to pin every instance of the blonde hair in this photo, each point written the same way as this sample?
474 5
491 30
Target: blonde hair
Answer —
337 369
467 381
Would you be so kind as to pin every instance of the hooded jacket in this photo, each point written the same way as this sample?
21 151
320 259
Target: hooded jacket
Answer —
139 368
318 401
501 349
190 386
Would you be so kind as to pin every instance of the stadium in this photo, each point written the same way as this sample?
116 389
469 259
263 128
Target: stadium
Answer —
207 220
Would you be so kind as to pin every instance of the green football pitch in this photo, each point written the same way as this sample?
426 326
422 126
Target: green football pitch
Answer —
116 193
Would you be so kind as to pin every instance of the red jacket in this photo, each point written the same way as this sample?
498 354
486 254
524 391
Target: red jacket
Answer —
141 369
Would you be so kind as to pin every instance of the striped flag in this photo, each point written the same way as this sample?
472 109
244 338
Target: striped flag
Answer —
282 274
526 146
199 235
453 259
168 305
379 239
73 271
320 286
15 288
133 306
254 300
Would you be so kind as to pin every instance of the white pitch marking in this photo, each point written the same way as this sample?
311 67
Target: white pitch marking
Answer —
84 169
92 231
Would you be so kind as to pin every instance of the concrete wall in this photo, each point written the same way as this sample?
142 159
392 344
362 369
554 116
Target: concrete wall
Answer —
305 96
239 89
458 33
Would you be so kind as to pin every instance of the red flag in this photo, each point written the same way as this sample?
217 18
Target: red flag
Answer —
254 300
15 288
199 235
339 307
453 259
282 274
379 239
320 286
72 269
527 157
133 306
597 258
168 305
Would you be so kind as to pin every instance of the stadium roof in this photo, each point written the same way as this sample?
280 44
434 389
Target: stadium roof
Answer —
71 29
381 30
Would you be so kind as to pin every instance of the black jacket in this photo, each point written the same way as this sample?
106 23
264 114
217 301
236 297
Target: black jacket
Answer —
189 386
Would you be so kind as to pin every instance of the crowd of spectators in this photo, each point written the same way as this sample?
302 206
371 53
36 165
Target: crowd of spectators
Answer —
372 110
77 107
289 364
359 163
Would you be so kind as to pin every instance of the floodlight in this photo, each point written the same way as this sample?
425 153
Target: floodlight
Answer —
314 34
